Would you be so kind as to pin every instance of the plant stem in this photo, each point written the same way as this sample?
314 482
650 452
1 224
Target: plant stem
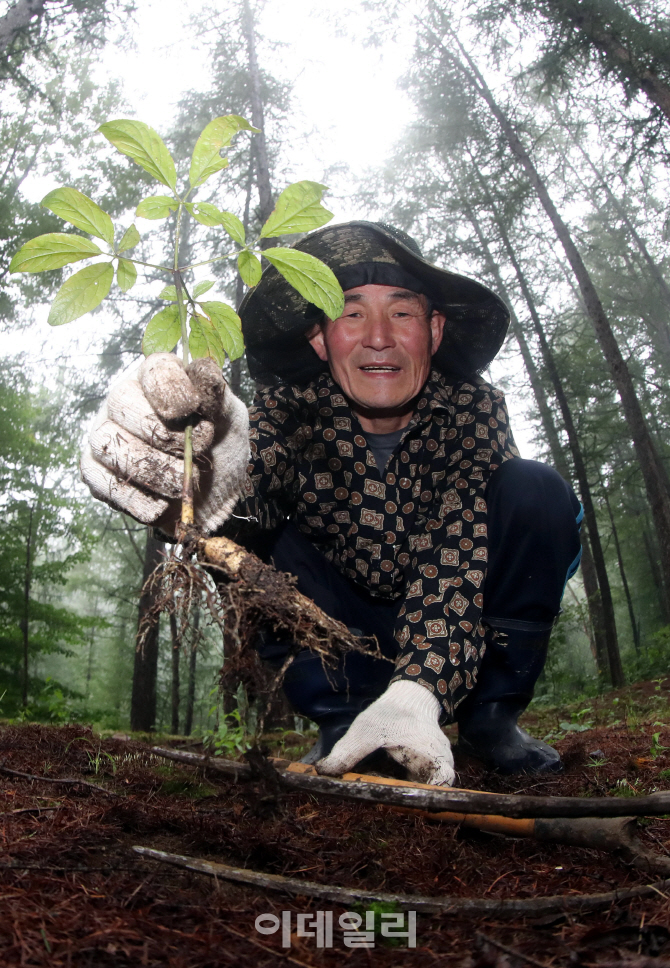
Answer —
208 262
137 262
187 489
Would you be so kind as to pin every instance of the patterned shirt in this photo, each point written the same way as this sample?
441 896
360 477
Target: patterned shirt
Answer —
414 530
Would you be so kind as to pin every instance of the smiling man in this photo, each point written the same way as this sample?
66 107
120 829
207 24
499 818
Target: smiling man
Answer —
384 476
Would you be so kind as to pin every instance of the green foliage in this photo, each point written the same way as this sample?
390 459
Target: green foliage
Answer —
44 539
81 293
657 748
52 252
622 41
163 331
298 209
249 267
156 207
126 275
144 146
81 211
217 135
129 240
311 277
228 738
215 328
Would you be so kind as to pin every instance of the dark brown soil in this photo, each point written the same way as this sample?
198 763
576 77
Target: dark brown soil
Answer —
74 894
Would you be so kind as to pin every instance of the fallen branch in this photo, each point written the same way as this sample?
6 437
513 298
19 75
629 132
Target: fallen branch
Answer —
422 796
64 781
347 897
437 799
616 835
13 813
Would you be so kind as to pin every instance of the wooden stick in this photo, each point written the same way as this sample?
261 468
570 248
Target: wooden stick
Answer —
63 782
423 796
616 835
347 897
13 813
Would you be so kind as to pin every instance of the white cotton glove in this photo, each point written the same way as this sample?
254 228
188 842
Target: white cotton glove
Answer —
133 457
403 721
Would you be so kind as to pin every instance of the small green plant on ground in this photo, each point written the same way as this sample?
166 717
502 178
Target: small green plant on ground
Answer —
377 920
656 746
624 788
228 738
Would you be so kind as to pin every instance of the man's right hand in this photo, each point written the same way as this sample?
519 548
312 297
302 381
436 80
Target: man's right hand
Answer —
133 458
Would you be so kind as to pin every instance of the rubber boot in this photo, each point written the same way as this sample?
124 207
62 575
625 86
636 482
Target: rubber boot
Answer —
487 720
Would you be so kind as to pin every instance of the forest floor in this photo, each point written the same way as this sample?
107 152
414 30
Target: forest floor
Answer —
73 893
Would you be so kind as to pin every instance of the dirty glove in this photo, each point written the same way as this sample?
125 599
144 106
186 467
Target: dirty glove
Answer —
403 721
133 458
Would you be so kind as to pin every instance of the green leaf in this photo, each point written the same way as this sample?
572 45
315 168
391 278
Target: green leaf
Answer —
249 267
81 293
298 209
156 206
204 340
80 210
311 277
130 239
201 288
126 275
218 134
228 326
163 331
204 212
170 292
233 227
208 214
144 146
52 251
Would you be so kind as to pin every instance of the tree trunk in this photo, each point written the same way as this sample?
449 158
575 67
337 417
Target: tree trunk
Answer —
653 471
236 365
174 695
599 598
616 52
607 611
622 572
652 558
257 118
17 19
546 415
143 701
91 643
192 659
25 621
595 606
660 324
654 268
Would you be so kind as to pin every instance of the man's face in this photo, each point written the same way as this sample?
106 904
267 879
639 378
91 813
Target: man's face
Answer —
379 351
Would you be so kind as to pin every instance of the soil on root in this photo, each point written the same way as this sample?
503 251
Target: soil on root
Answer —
74 894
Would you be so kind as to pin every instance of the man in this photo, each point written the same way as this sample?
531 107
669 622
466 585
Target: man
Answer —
384 475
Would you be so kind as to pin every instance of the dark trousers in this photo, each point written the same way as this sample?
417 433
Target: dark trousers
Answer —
533 525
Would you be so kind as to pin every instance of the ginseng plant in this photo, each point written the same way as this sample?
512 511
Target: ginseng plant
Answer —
210 328
255 594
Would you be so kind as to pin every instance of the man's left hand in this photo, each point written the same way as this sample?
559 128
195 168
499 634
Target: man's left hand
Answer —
405 722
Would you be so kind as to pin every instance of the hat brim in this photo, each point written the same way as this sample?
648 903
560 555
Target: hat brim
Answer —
275 317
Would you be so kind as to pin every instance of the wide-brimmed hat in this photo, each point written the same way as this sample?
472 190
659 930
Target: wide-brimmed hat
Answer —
275 317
